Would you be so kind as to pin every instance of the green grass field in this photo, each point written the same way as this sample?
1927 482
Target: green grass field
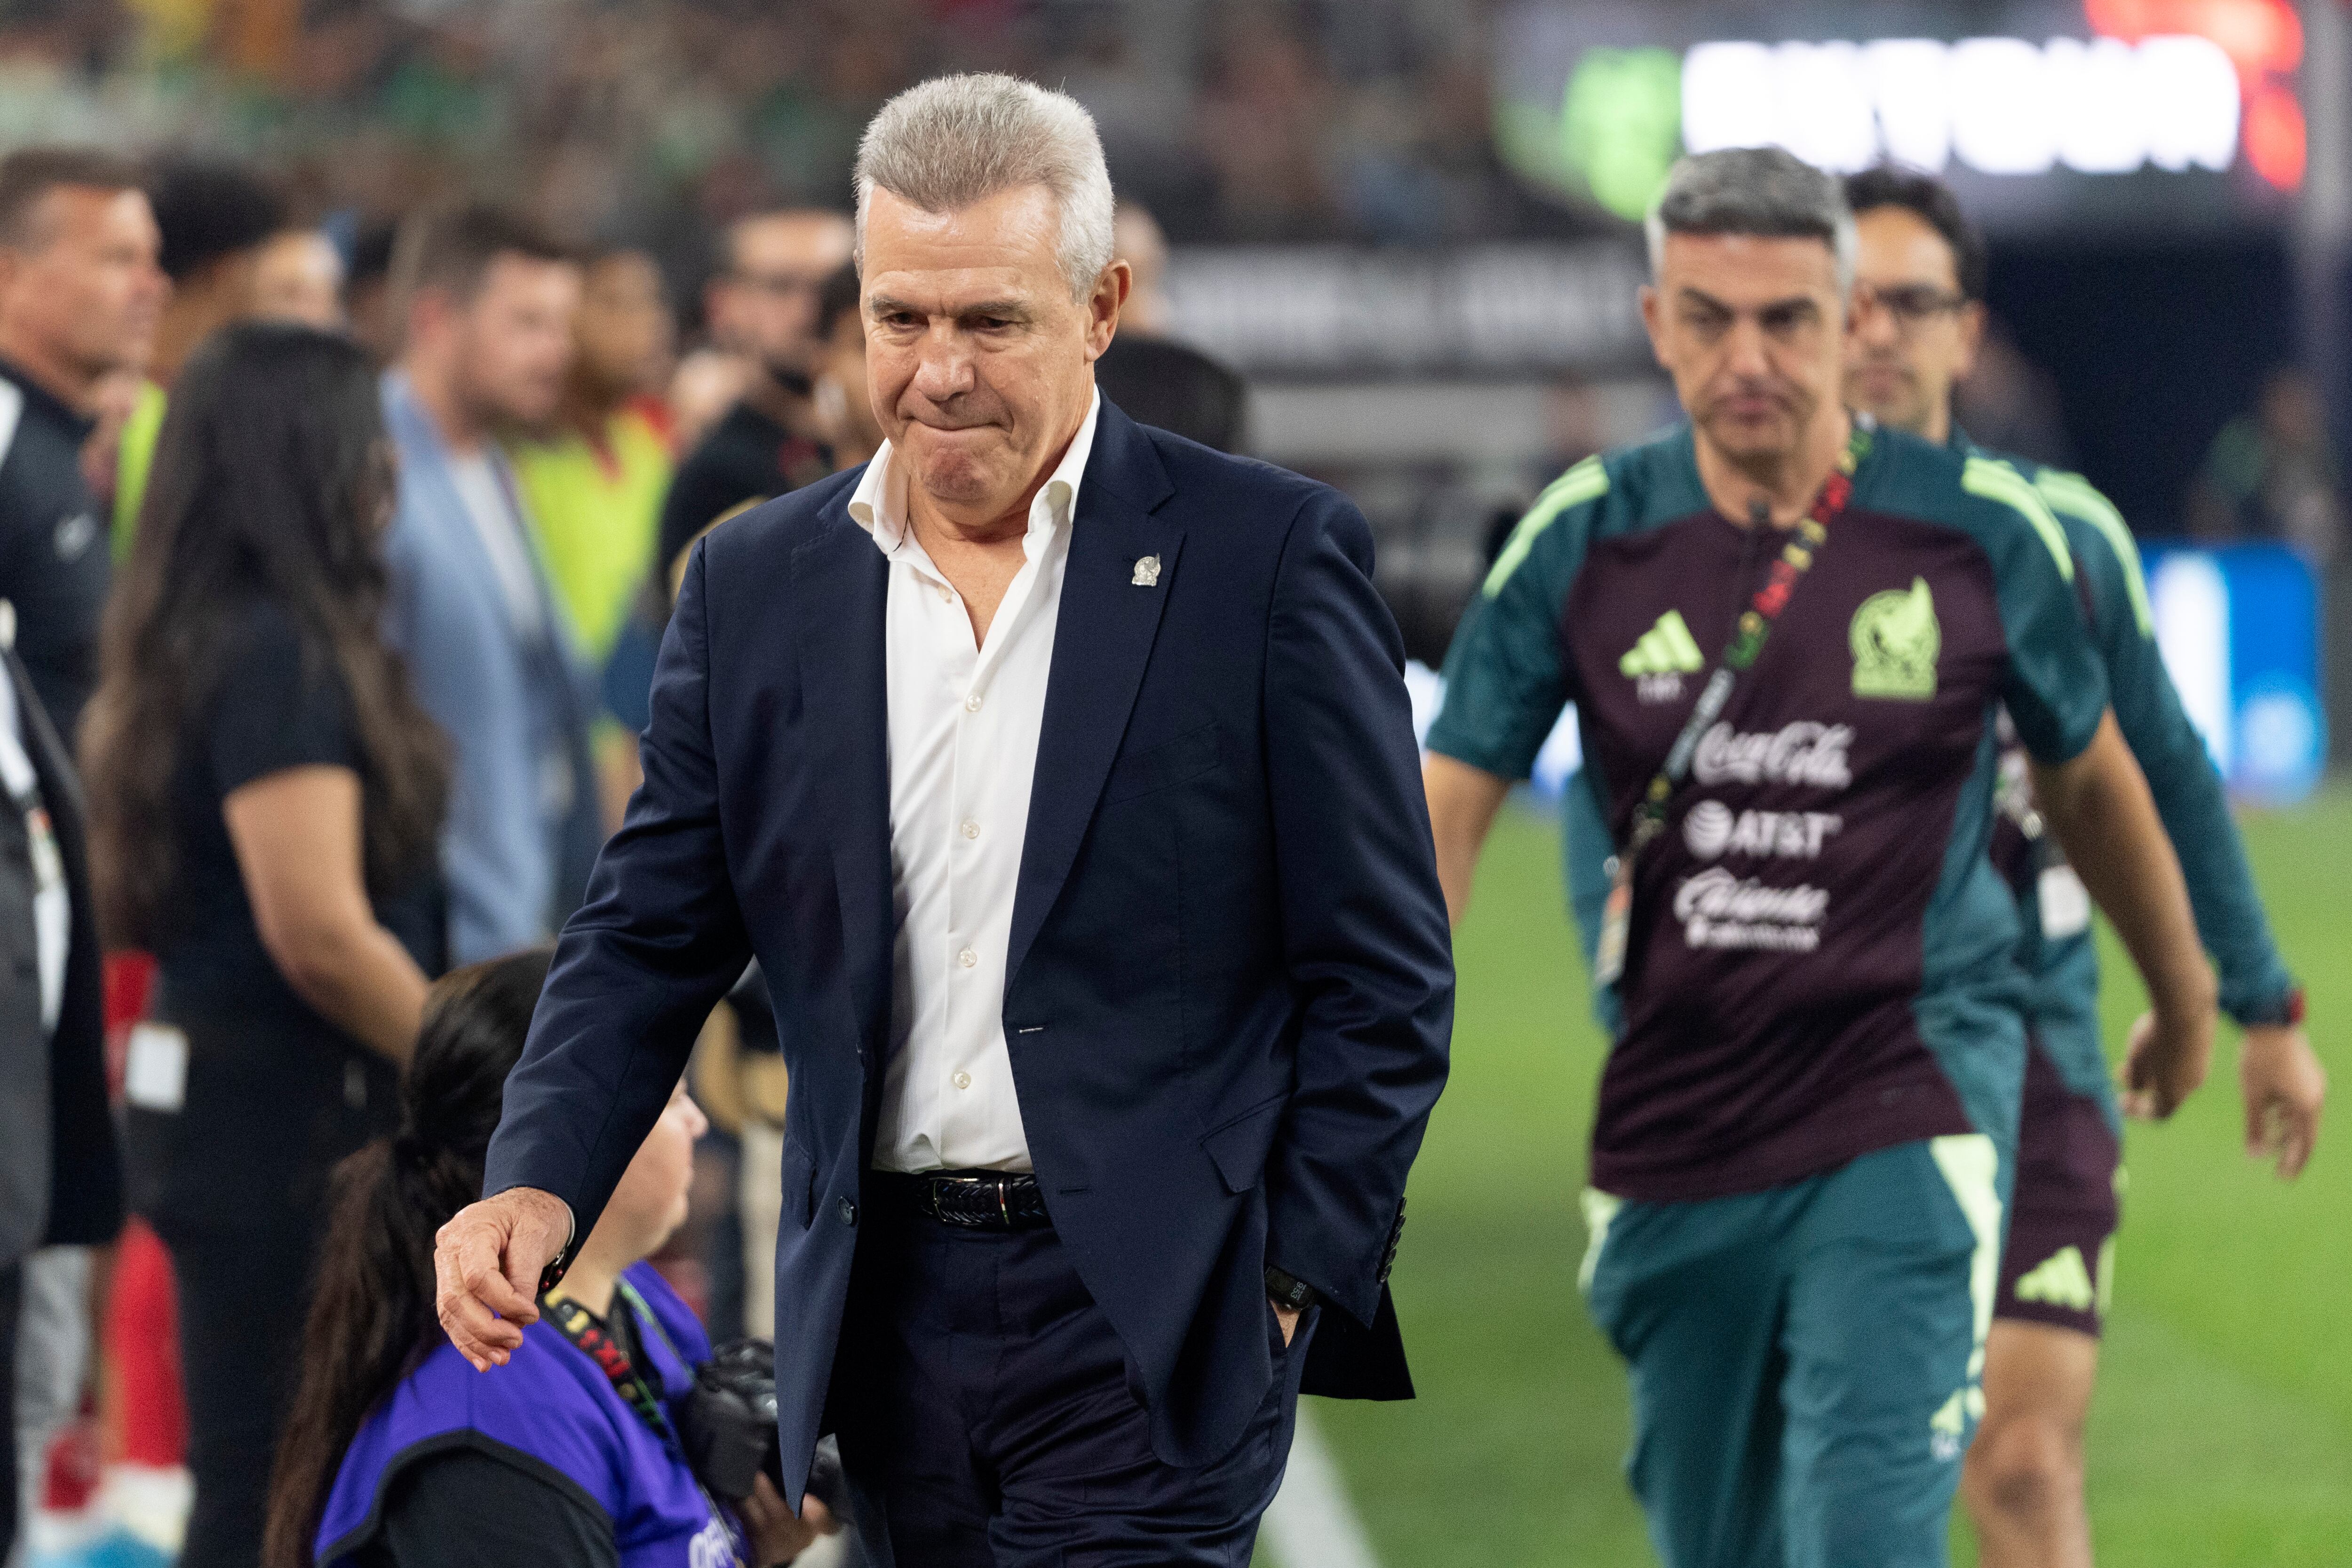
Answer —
2223 1430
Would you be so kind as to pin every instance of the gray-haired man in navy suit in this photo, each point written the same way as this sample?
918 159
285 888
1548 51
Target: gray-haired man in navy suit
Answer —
1060 774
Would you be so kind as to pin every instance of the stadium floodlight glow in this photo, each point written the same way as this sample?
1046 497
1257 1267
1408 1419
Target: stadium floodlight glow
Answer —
2000 106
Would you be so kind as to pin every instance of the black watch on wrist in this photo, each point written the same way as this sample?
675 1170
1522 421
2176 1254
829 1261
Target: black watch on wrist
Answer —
1288 1291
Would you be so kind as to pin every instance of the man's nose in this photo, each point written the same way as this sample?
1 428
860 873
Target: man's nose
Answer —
1746 351
944 369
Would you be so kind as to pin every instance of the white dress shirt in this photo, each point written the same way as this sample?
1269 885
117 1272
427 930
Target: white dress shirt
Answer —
963 728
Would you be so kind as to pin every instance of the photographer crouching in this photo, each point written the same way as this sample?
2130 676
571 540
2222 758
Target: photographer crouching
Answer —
612 1437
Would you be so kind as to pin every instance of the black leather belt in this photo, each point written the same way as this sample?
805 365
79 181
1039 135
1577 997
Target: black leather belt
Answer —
968 1200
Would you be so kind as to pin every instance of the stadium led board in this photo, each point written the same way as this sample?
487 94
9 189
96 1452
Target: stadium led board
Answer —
2102 114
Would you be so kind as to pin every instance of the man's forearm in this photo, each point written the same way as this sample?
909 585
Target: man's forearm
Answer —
2099 807
1463 801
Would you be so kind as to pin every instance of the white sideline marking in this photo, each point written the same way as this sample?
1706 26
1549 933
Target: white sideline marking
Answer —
1311 1523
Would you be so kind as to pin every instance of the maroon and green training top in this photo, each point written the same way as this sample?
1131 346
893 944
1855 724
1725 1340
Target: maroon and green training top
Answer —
1821 958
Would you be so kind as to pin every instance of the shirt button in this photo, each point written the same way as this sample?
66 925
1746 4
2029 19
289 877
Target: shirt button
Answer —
962 1080
946 596
968 959
971 829
972 703
847 1211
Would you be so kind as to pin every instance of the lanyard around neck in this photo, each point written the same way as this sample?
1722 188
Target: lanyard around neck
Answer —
1748 635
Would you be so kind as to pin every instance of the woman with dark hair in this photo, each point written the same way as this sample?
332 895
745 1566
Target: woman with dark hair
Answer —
265 801
399 1453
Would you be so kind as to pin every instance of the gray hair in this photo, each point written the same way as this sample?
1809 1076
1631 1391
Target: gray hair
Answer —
944 144
1763 190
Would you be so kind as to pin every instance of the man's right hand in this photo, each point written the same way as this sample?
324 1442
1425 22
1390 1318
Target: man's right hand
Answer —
485 1267
2164 1063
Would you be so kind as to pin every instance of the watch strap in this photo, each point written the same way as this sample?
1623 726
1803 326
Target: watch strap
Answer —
1288 1291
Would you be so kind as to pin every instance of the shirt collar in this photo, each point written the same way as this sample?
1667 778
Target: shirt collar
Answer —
41 400
878 505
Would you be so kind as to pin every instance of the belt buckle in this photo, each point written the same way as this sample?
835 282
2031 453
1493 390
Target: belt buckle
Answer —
965 1221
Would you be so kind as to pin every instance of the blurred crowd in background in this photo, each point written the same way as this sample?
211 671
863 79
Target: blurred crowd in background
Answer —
1233 120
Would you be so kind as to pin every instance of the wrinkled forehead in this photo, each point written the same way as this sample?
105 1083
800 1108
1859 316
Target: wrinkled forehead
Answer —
1748 271
1006 240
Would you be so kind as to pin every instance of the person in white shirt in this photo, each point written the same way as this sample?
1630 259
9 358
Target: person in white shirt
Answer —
1060 774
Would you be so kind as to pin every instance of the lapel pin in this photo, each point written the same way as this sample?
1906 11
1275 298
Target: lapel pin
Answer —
1147 572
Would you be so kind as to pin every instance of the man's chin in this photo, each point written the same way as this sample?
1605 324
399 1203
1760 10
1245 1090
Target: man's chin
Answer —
1751 440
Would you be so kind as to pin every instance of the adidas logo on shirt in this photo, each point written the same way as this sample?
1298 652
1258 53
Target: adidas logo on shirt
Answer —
1661 658
2060 1280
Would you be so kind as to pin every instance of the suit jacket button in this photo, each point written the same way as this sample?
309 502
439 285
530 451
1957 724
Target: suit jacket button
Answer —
846 1210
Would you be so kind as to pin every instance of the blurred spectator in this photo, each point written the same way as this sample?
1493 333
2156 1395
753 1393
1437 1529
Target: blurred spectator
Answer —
708 382
297 275
2273 474
400 1454
592 486
763 304
51 1352
367 292
593 489
266 797
60 1171
2010 404
844 402
1152 379
488 304
80 294
215 219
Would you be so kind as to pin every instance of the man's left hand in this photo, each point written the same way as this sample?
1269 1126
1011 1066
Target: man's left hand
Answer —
2284 1087
1289 1319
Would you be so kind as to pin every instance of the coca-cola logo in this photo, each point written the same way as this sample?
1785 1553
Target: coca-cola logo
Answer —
1801 753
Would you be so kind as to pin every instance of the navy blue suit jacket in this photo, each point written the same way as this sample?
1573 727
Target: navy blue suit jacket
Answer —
1230 984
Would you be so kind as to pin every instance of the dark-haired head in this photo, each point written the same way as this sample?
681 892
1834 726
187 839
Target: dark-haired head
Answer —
1920 316
272 480
371 1318
211 212
1932 201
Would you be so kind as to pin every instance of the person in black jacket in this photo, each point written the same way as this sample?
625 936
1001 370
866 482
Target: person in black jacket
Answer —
60 1172
80 295
267 799
1155 378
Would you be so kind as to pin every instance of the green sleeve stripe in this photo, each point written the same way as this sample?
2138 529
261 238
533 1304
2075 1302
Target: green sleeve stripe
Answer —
1997 481
2074 495
1579 484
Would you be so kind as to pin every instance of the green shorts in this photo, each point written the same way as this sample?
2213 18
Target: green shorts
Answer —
1805 1361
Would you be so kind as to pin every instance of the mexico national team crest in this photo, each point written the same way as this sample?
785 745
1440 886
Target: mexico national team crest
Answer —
1895 640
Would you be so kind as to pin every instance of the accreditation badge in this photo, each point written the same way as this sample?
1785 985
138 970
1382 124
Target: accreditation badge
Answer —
1616 924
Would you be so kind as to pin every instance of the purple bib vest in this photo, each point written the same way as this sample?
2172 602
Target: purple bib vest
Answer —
551 1404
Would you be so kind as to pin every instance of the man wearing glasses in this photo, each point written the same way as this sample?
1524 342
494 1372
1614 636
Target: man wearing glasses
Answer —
763 306
1920 274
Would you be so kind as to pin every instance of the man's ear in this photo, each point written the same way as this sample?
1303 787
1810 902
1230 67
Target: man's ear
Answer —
1653 321
1103 306
1972 331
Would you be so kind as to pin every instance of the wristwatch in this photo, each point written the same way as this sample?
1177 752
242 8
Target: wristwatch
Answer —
1288 1291
2282 1011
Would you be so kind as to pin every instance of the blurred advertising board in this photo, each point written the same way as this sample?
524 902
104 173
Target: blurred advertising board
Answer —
2239 627
2091 116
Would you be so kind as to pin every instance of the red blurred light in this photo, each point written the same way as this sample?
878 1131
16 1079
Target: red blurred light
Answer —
2259 35
2273 137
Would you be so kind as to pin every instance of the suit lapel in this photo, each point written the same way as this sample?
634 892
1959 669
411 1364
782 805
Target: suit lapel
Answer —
840 585
1102 641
